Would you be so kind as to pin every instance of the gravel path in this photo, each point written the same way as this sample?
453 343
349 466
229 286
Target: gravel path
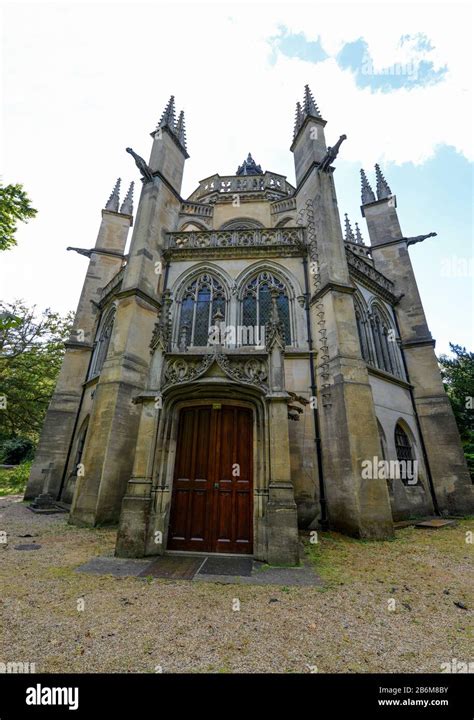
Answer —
385 607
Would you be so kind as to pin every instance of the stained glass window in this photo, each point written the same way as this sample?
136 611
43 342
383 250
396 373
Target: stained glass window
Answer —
405 456
257 303
202 298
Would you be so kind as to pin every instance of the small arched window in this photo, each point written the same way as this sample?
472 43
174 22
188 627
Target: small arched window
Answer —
403 444
201 299
257 303
405 456
102 344
80 447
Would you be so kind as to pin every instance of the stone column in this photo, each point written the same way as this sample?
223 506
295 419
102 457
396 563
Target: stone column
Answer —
281 515
136 537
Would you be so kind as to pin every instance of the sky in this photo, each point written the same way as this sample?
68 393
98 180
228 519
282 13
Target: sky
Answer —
81 82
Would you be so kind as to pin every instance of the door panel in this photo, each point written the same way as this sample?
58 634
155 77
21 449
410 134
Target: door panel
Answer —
212 501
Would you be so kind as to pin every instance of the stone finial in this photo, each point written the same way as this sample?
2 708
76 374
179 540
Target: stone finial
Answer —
309 104
349 234
367 194
168 119
249 167
180 130
126 207
299 119
114 199
383 189
274 329
358 235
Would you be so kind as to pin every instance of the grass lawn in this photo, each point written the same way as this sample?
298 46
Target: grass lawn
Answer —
404 605
13 482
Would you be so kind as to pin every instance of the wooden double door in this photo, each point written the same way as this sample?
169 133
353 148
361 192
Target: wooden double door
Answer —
212 498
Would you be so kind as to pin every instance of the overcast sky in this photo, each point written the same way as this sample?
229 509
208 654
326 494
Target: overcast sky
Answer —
81 82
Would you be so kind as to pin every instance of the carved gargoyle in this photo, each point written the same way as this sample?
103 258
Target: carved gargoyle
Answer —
295 410
419 238
145 171
331 154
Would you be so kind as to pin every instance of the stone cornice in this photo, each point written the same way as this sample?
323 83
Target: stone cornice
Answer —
388 376
75 345
388 243
418 343
332 287
137 292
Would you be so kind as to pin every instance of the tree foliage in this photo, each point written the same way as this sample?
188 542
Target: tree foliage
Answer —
15 207
458 377
31 352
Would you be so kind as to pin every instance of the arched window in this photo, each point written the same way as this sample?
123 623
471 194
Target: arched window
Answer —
385 345
402 444
383 441
80 447
363 331
102 344
257 303
406 456
201 299
241 224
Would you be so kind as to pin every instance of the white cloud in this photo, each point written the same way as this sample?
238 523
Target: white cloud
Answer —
82 82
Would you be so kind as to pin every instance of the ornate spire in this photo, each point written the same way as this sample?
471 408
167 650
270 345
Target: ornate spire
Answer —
126 207
168 118
358 235
367 194
309 104
180 129
299 118
114 199
249 167
383 189
348 229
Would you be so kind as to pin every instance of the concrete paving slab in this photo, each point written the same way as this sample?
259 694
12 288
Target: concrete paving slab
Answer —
118 567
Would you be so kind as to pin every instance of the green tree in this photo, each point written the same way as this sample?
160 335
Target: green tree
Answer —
31 352
458 377
15 206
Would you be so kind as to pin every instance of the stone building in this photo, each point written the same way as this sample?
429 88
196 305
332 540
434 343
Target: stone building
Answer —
247 368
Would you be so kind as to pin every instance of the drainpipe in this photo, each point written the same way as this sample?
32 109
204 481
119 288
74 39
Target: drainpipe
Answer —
317 435
417 420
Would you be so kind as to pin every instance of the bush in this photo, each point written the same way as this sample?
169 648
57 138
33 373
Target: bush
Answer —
13 482
16 450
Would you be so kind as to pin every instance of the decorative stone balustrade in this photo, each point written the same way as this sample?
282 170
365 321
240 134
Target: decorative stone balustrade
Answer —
190 208
366 272
283 206
269 183
259 237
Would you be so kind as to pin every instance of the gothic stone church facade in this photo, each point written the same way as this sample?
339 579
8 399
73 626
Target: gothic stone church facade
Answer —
230 379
